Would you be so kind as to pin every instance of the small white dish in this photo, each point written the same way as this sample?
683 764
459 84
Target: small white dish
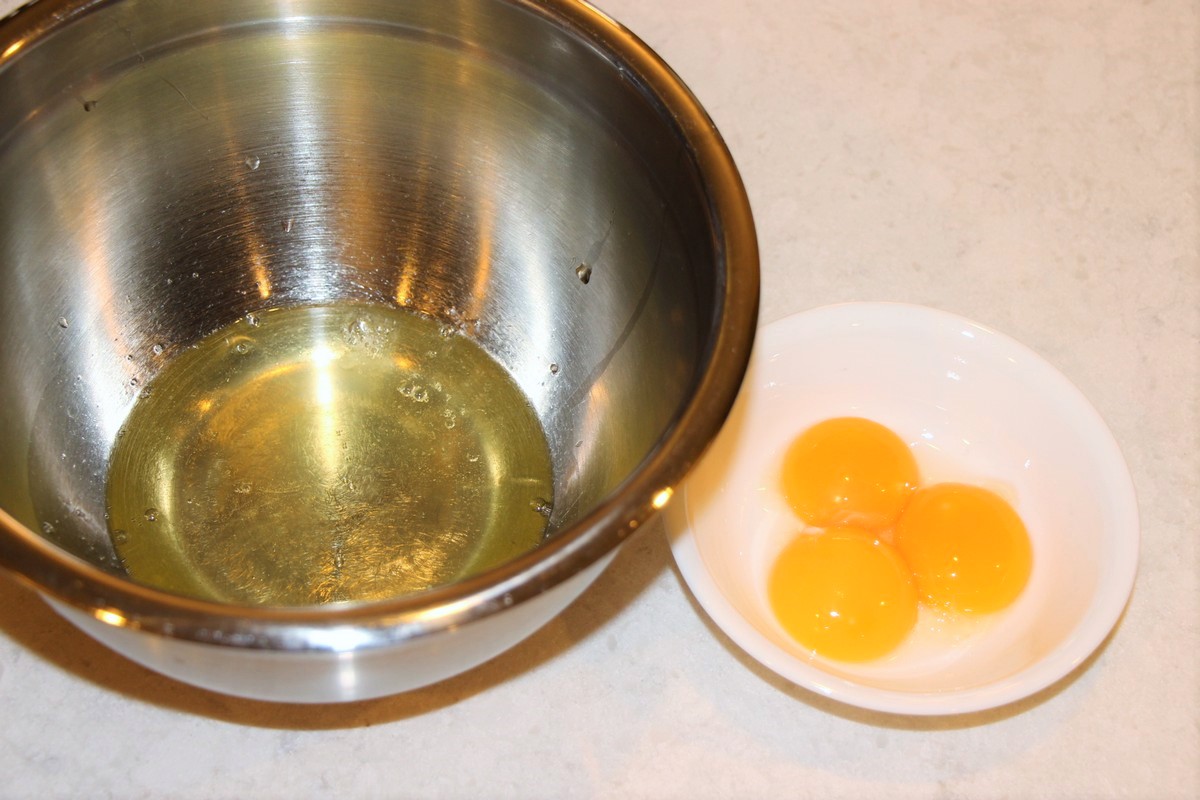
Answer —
975 406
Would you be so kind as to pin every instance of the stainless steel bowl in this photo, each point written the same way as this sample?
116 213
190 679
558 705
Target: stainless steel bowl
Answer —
166 168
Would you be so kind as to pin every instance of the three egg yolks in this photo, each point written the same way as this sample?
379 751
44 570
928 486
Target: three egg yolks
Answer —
851 591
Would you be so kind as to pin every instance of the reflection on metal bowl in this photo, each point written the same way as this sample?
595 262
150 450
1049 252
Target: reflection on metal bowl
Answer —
532 168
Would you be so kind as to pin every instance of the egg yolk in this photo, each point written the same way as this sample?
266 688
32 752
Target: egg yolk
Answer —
843 594
848 471
967 547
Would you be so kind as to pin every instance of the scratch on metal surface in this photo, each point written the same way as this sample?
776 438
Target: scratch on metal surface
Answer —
184 96
137 50
593 255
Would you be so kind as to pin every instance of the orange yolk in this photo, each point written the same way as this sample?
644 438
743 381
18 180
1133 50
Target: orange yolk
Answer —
848 471
967 547
843 594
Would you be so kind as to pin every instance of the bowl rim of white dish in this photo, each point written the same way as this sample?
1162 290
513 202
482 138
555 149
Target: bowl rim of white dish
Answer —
1097 621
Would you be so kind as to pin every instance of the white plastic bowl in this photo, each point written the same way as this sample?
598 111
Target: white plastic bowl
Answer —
976 407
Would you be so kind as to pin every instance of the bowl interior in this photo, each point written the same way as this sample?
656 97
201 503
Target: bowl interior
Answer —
170 168
975 407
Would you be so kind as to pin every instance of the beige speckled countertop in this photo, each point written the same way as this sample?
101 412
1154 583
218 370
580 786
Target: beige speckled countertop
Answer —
1030 165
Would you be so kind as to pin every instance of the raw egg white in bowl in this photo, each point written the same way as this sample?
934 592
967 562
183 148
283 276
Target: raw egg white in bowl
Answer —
974 406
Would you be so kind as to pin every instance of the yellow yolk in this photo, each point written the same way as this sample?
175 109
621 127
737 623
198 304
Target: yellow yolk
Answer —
843 594
848 471
967 547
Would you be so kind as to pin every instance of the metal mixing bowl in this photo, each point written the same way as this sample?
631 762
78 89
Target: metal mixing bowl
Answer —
166 168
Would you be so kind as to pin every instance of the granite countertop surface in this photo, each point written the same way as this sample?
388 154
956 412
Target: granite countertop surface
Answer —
1032 166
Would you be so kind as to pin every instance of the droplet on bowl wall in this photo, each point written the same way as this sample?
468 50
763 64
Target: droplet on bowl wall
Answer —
553 369
62 322
151 514
253 161
584 273
157 349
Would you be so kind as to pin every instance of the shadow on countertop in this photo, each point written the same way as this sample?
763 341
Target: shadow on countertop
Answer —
32 624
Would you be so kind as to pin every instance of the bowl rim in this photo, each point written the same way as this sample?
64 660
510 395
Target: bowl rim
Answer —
1095 625
122 603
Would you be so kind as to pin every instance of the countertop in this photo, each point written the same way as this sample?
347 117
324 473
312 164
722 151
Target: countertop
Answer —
1032 166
